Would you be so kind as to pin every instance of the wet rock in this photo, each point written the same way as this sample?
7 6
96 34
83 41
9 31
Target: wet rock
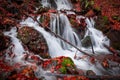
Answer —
4 41
114 39
34 40
42 10
86 42
45 19
90 73
61 65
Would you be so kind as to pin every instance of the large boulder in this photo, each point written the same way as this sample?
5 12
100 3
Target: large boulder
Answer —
34 40
113 35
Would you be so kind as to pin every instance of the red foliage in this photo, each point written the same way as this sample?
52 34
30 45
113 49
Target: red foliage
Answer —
105 63
25 74
92 60
4 67
11 12
75 78
109 8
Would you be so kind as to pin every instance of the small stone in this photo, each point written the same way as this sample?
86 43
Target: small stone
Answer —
90 73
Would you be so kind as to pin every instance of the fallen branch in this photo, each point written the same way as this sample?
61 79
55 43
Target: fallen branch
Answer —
88 76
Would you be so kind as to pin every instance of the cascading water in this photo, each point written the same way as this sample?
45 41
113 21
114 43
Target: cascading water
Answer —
97 37
60 24
57 4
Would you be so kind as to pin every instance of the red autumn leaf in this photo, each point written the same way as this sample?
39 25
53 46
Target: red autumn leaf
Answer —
92 60
8 21
105 63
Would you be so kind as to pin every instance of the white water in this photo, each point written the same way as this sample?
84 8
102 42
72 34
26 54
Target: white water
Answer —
18 48
60 4
61 25
97 37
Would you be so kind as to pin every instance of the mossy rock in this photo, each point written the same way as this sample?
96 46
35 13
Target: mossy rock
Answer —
63 70
62 65
67 62
67 66
34 40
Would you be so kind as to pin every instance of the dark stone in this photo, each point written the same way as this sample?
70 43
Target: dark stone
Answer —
42 10
90 73
113 35
86 42
74 1
4 41
34 40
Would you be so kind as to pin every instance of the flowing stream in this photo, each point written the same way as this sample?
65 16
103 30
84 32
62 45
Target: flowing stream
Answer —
59 23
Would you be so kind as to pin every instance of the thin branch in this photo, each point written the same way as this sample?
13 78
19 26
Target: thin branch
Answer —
89 76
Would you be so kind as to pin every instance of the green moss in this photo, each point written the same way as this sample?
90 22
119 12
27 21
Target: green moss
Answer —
41 19
63 70
67 61
67 65
87 3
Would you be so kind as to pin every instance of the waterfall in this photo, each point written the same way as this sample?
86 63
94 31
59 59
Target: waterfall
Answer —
57 4
96 36
56 50
61 26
